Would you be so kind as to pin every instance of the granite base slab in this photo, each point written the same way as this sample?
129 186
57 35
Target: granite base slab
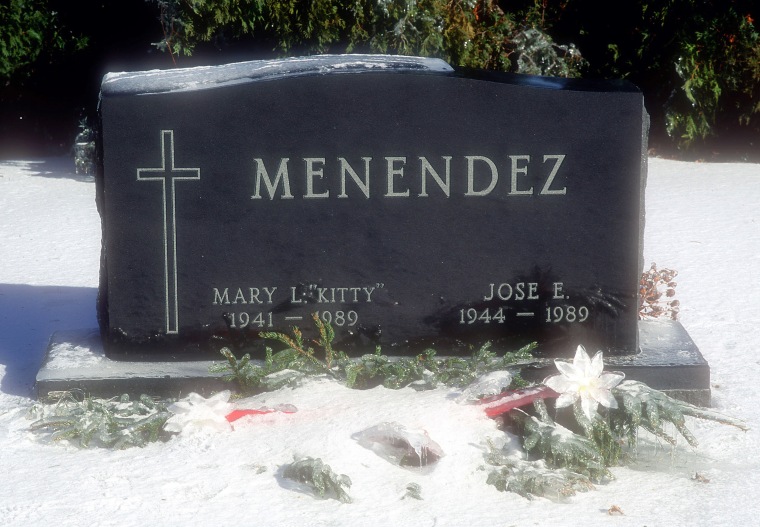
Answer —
75 360
669 360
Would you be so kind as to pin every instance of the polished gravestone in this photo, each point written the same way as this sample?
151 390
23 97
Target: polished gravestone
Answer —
407 203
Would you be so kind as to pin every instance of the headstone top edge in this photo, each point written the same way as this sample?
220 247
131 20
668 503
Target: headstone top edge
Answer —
205 77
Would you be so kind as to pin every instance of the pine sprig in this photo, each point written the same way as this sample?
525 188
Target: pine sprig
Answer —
413 491
641 406
326 336
247 375
559 446
284 367
603 440
112 423
423 371
296 344
319 477
532 478
600 433
377 369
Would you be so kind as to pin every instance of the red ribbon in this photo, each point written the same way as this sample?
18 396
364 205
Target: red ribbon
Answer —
504 402
237 414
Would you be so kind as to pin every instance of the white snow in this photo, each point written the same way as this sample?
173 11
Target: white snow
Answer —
204 77
702 220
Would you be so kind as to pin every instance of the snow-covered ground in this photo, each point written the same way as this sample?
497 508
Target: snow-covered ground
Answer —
702 219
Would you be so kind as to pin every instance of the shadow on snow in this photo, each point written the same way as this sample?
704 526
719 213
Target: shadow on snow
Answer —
29 315
49 167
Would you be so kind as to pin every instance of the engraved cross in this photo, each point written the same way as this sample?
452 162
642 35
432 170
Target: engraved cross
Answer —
169 172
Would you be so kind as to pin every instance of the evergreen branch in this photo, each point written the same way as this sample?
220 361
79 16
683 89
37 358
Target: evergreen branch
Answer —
604 437
533 478
247 375
598 430
423 371
319 477
560 447
711 415
662 434
413 491
296 344
642 406
278 369
113 423
326 336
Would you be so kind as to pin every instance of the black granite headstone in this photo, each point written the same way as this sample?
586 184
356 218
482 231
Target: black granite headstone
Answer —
407 203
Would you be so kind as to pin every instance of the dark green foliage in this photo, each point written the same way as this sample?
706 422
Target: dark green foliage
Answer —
112 423
424 371
718 67
641 406
697 61
537 54
285 367
532 478
185 24
560 447
29 31
427 370
568 461
319 477
314 25
474 33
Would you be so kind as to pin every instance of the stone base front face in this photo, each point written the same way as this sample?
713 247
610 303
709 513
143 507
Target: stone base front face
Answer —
669 361
75 360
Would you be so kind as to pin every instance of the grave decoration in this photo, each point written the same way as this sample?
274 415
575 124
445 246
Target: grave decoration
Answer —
591 423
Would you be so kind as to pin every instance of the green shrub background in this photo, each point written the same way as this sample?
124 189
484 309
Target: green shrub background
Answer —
697 62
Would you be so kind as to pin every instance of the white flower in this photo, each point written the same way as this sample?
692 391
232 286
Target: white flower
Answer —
195 413
584 379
